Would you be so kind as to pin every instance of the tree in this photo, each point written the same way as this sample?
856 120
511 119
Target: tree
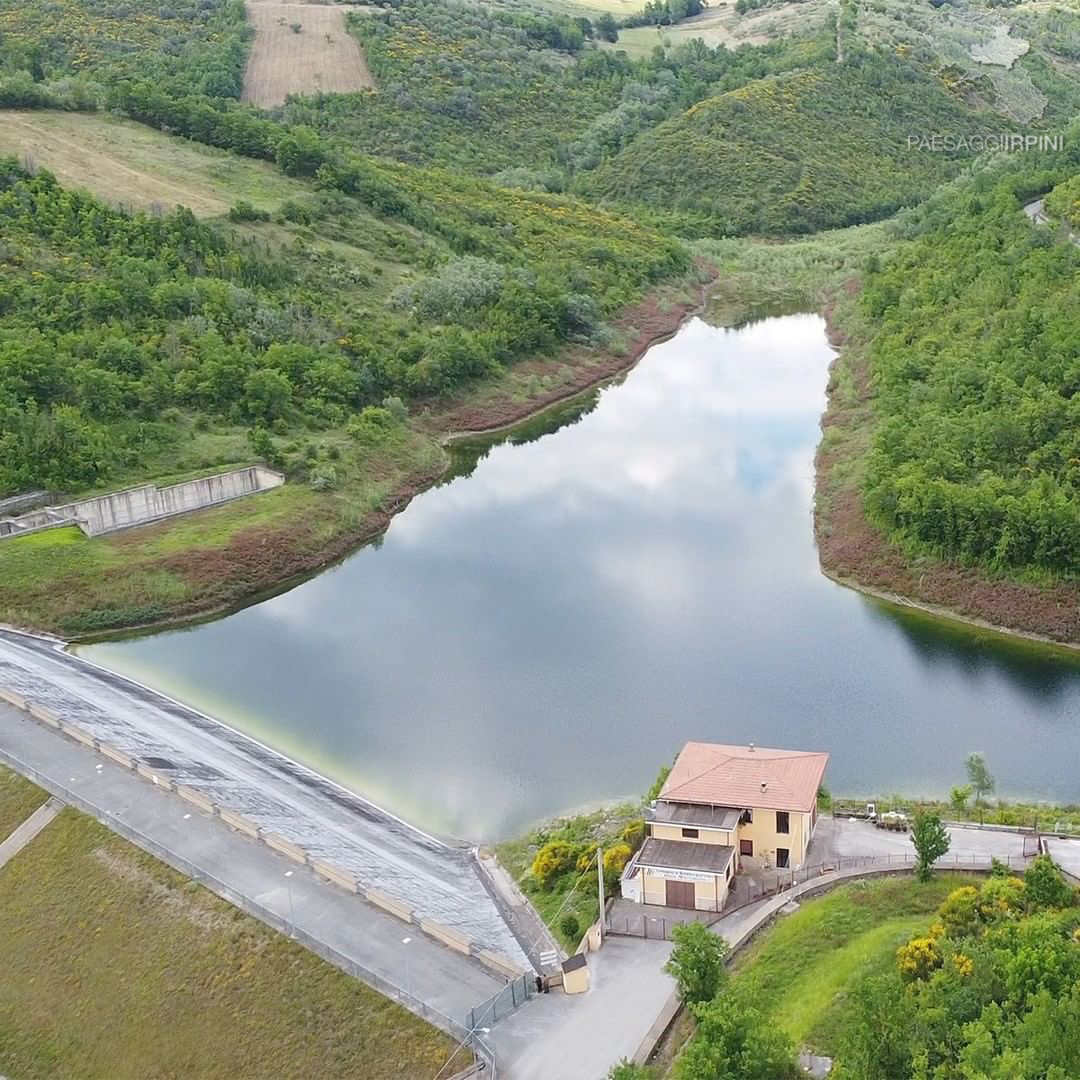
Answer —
627 1070
735 1041
697 962
606 28
552 860
1044 885
981 778
958 799
931 842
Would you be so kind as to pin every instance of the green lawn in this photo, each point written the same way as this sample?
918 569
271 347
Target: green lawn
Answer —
114 966
799 970
18 800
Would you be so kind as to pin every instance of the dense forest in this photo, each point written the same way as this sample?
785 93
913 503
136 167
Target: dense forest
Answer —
114 323
977 452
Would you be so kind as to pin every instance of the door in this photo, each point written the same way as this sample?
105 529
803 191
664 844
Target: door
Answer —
782 856
679 894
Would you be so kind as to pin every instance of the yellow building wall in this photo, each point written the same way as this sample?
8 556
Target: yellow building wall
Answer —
704 836
708 895
762 831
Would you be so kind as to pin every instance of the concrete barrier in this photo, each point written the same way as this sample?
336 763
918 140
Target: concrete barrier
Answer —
78 734
338 877
196 798
388 903
15 699
43 715
454 938
286 847
116 755
500 964
154 776
239 823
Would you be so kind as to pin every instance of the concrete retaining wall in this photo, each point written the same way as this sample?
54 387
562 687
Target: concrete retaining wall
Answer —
239 823
498 963
286 847
139 505
44 715
196 798
154 776
333 874
447 936
78 734
388 903
116 755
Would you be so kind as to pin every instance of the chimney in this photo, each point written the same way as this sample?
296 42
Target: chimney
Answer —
751 748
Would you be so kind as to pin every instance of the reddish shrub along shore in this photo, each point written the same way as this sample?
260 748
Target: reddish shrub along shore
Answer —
853 550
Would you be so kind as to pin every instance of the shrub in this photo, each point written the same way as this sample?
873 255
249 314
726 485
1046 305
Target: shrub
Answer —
1044 885
570 926
918 959
552 861
244 211
697 962
615 859
371 426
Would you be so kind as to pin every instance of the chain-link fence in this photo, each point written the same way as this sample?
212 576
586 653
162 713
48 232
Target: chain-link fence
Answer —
464 1033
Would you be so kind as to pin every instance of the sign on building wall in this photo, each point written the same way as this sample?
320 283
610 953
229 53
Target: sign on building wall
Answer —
679 875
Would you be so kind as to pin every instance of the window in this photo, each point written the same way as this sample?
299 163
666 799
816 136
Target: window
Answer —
746 847
782 824
690 834
782 855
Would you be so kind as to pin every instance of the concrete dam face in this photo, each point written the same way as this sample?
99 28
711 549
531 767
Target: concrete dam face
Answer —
143 504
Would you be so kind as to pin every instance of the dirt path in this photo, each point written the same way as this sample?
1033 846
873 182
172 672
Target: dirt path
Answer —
302 49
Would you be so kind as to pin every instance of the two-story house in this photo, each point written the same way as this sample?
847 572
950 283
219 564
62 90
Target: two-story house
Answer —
722 805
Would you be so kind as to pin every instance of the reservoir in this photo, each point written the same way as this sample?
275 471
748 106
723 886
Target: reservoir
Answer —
546 627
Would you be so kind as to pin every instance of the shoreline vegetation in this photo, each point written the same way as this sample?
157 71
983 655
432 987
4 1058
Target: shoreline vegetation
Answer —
248 550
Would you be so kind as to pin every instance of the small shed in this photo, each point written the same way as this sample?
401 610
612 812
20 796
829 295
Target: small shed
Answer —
575 973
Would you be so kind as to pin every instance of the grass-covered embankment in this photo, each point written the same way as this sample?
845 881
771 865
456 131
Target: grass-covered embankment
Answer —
18 800
797 973
113 965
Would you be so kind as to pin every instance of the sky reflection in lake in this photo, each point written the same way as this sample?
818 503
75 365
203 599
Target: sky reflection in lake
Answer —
549 626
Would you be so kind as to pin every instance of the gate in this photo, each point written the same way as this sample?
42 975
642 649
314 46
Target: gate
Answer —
516 992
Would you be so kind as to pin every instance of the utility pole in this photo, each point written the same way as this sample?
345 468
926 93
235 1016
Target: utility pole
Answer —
600 887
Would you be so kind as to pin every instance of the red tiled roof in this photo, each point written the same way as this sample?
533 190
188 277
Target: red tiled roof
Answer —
715 775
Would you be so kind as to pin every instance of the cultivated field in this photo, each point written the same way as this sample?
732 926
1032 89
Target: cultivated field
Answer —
301 49
128 164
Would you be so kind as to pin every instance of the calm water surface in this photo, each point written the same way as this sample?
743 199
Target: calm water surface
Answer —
547 627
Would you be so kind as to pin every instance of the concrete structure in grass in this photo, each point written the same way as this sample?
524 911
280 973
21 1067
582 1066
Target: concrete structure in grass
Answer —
144 504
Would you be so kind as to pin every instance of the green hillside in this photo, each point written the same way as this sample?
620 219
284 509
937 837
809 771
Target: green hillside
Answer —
800 152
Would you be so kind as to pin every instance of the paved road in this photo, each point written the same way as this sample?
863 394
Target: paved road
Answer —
443 979
29 829
579 1037
1066 853
437 879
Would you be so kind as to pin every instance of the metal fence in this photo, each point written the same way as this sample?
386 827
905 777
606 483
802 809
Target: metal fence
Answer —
514 993
466 1034
747 890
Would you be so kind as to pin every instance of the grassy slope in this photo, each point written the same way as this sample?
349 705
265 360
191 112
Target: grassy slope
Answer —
18 800
573 893
123 162
61 581
796 153
114 966
798 971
